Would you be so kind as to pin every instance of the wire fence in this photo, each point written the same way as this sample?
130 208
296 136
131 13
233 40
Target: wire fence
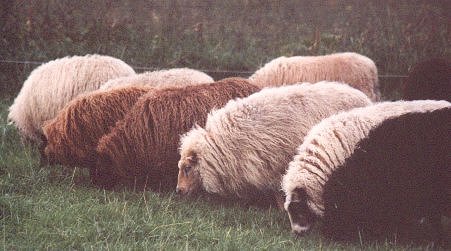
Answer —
389 84
231 72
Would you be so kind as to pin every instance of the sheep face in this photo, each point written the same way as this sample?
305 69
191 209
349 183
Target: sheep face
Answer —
301 217
48 154
51 149
43 156
188 182
47 149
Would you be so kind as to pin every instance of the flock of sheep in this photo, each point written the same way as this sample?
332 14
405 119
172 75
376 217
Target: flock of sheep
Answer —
308 134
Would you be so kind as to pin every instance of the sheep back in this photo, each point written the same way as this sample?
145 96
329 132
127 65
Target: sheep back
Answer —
354 69
246 146
162 78
72 136
141 149
52 85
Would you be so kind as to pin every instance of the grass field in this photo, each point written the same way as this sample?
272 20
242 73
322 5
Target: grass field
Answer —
51 208
55 208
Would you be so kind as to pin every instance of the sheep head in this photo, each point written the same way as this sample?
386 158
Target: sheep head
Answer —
47 149
43 161
52 149
188 181
301 217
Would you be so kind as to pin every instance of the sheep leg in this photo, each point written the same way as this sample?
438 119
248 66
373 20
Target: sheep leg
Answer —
102 179
280 200
436 223
43 160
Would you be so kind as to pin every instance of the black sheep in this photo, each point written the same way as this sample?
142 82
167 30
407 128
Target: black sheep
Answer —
398 174
430 79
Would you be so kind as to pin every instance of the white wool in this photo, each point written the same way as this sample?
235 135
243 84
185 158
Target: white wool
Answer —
52 85
246 146
163 78
354 69
331 142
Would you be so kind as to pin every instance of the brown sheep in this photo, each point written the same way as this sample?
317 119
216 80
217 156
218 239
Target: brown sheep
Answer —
429 79
141 150
72 136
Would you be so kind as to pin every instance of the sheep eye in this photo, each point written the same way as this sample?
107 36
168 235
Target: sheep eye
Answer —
186 170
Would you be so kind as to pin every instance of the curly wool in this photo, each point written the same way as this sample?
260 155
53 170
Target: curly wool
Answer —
72 136
354 69
333 140
163 78
246 145
52 85
141 149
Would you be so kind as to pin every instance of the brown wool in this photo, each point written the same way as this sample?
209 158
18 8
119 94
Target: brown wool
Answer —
73 135
142 148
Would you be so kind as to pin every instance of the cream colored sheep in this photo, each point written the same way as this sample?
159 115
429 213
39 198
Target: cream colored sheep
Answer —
246 146
52 85
354 69
163 78
327 146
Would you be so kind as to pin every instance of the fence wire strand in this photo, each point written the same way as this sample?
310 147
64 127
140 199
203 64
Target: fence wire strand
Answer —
6 61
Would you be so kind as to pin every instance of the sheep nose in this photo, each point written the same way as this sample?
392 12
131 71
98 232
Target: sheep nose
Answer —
299 231
178 190
43 161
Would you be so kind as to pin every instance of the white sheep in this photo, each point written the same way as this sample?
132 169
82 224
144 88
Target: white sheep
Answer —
246 146
52 85
162 78
328 146
354 69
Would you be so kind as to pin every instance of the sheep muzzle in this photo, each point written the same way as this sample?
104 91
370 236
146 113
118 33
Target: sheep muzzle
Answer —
301 217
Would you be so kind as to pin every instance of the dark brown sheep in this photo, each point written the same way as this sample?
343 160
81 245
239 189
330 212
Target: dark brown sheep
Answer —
72 136
430 79
398 174
141 150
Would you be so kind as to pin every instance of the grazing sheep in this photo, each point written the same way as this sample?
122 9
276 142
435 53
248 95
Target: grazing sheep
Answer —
52 85
354 69
430 79
327 147
141 150
72 136
381 190
163 78
246 146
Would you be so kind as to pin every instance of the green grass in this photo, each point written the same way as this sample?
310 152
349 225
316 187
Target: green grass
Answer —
52 208
48 208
